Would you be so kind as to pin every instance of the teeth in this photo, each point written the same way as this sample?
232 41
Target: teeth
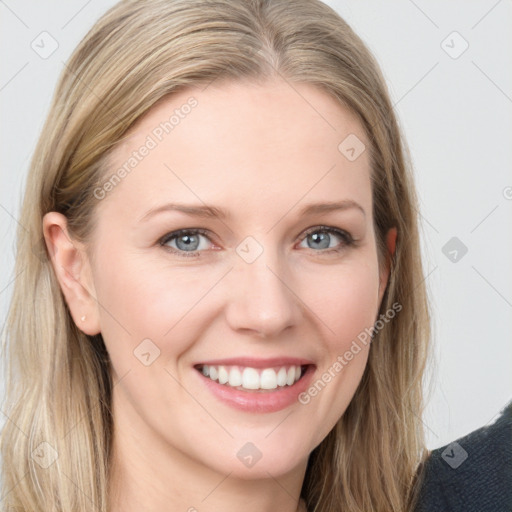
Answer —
282 374
223 375
268 379
235 378
290 378
250 378
214 373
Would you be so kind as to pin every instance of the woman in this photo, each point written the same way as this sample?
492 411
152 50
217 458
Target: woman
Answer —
227 302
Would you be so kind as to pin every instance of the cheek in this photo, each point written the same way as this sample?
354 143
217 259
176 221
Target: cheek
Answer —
140 299
346 300
347 310
355 304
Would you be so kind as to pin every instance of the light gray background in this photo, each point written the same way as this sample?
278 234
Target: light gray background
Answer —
456 115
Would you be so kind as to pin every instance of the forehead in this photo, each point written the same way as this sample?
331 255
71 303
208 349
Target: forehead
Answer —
246 144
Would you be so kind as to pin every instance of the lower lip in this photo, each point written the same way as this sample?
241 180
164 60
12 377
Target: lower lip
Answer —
256 401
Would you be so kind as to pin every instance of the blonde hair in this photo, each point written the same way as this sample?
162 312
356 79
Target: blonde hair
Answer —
59 386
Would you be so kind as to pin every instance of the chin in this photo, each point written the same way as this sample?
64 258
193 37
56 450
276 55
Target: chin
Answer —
263 458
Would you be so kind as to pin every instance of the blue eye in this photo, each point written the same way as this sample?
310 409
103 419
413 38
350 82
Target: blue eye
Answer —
187 242
320 237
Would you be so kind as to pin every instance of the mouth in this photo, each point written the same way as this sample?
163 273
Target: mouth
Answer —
250 379
256 385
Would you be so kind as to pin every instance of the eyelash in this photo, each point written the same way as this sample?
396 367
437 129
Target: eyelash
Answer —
348 241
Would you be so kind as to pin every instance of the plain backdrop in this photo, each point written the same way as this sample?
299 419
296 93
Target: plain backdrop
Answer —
447 65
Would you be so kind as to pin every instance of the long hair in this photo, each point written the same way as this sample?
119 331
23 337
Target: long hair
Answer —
56 442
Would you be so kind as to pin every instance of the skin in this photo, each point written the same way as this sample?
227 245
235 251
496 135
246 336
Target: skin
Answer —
262 152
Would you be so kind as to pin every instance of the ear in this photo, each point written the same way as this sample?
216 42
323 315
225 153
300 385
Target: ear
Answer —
72 268
384 275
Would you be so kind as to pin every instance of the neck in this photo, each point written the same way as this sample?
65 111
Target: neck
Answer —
149 474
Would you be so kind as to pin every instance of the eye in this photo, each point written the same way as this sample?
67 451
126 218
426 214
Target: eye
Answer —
185 241
320 237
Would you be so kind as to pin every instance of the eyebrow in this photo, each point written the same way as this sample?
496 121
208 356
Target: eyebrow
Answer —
209 212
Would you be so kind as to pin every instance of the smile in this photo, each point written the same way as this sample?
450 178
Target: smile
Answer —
255 385
252 379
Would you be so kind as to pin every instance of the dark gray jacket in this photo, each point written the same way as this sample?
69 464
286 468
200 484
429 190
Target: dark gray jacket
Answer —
472 474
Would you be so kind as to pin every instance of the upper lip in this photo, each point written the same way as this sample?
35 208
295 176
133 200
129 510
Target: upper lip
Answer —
252 362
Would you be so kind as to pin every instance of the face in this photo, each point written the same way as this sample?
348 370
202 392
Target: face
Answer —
227 288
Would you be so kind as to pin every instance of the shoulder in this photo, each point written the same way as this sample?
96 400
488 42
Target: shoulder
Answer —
473 473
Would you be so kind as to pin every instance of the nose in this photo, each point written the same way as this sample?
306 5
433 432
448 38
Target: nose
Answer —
261 297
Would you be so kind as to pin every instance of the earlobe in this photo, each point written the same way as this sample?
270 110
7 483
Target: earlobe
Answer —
391 242
71 266
391 237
